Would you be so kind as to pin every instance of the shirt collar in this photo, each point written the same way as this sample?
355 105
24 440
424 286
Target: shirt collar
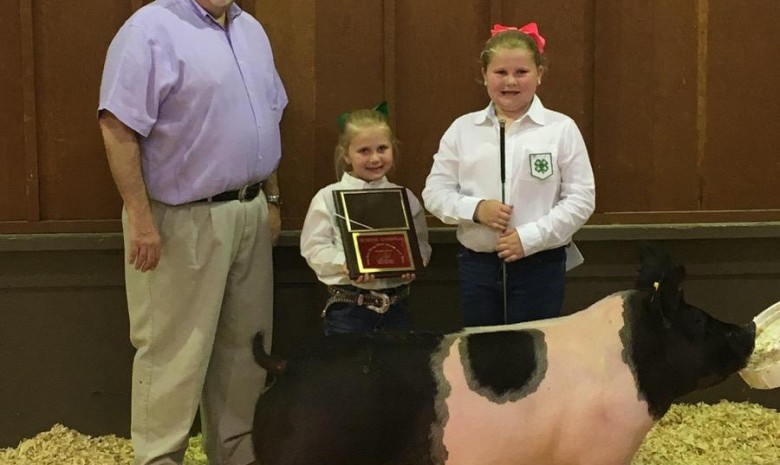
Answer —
535 113
357 183
233 11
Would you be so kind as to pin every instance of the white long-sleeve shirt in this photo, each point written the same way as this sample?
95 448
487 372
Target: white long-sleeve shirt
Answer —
321 244
549 180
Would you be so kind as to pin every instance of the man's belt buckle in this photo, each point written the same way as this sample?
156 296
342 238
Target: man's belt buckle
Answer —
385 305
242 193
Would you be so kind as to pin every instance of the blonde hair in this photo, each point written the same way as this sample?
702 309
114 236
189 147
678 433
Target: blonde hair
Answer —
511 40
355 122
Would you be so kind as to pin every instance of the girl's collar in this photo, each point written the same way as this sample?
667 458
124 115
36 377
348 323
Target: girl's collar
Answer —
352 181
535 112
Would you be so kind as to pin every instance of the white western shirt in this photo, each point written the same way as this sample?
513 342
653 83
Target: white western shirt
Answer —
549 180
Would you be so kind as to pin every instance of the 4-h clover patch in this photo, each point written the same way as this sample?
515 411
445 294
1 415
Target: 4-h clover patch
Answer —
541 165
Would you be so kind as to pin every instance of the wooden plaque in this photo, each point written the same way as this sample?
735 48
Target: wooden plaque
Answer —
377 230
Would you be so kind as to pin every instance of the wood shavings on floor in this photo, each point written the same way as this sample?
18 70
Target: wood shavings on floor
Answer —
64 446
727 433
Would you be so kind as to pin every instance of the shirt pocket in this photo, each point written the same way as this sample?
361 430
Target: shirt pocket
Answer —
538 164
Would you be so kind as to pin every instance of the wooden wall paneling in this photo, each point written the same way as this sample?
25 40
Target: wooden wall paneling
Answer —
32 207
291 28
350 71
349 59
389 53
686 217
496 12
568 27
702 52
742 162
437 76
645 106
70 48
60 226
675 178
622 106
676 107
247 5
12 112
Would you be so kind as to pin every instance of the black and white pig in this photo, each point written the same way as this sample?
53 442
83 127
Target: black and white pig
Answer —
583 389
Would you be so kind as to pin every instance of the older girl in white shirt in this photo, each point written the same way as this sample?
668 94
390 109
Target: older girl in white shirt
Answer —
364 154
548 188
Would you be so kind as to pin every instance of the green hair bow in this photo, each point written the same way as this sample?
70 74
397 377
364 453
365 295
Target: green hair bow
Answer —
383 108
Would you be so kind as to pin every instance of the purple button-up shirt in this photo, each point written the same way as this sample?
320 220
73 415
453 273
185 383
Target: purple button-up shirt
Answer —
206 102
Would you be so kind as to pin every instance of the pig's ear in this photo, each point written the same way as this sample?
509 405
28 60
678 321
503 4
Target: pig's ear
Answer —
654 264
670 291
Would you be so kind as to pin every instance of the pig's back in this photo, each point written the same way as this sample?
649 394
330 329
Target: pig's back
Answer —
581 396
351 400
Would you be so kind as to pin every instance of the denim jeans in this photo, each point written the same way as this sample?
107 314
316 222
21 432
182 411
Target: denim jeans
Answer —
353 318
535 287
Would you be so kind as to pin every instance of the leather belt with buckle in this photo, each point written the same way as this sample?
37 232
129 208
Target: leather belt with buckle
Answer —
245 194
373 300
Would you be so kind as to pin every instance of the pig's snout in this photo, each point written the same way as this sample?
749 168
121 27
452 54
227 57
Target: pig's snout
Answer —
743 339
751 328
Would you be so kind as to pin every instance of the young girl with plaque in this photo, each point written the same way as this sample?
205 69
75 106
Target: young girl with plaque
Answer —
365 153
515 234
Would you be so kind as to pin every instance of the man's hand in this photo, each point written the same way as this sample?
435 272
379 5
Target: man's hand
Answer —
145 242
271 188
124 159
275 222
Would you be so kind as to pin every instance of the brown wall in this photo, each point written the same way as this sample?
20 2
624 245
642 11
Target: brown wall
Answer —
676 107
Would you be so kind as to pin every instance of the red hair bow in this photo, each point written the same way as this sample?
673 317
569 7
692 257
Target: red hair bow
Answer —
530 29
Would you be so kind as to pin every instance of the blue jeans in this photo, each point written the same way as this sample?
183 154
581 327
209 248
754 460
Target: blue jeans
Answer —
353 318
535 287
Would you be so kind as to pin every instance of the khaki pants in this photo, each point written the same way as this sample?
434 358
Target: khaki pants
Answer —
192 321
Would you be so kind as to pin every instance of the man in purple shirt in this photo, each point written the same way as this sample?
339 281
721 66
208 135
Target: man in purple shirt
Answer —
190 104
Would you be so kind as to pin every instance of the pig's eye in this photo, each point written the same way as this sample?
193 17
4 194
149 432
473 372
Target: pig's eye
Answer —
695 324
699 324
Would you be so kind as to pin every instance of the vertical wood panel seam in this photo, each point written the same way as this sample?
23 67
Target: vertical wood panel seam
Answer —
250 7
389 52
495 13
703 12
29 122
594 87
593 156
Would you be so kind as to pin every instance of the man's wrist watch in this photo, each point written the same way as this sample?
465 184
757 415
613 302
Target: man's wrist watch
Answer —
274 199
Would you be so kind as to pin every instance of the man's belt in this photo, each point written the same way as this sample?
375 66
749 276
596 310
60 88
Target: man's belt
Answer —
245 194
373 300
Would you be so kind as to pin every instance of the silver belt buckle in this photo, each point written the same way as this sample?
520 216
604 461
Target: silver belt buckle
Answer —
382 309
242 193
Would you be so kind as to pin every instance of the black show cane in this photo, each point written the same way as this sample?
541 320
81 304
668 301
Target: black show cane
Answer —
502 142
